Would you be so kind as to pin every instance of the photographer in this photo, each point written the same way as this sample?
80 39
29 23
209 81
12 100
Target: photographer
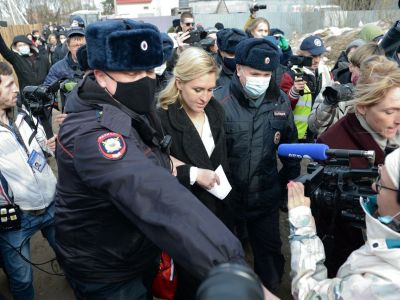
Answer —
27 186
303 84
337 100
374 125
254 8
372 271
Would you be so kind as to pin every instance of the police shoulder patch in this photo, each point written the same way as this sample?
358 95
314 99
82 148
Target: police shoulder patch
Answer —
112 145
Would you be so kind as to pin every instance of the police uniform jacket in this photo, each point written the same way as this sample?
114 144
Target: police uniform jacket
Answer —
117 202
225 76
253 135
188 147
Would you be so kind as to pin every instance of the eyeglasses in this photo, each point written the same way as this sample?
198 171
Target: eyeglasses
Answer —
189 24
379 186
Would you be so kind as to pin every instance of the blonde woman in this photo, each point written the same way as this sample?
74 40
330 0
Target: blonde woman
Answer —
373 125
258 28
193 118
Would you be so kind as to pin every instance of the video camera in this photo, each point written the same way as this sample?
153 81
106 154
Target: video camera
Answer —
300 62
335 185
38 99
338 93
257 7
195 36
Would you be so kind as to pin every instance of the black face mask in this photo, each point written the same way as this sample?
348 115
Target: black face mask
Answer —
138 96
230 63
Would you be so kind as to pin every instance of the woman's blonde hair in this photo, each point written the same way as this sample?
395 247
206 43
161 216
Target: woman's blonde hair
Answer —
192 63
253 25
377 76
365 51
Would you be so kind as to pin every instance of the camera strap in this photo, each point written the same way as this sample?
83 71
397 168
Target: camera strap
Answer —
14 130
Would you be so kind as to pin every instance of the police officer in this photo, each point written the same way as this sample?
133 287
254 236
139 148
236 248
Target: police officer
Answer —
227 40
258 118
117 202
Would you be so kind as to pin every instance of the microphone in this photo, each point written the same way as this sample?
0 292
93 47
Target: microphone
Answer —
321 152
314 151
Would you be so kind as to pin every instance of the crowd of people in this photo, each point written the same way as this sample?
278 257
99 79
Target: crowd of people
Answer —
167 156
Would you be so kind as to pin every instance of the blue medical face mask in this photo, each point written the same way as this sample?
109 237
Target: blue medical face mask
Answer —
256 86
387 219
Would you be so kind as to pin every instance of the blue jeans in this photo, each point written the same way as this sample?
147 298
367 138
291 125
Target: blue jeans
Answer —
18 270
129 290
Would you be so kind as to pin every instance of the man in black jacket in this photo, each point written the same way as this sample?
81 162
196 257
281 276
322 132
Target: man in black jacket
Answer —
30 65
117 203
258 118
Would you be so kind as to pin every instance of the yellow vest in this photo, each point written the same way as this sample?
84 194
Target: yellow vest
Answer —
302 111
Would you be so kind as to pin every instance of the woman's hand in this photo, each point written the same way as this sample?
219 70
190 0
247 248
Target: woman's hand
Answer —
207 178
51 143
175 163
296 195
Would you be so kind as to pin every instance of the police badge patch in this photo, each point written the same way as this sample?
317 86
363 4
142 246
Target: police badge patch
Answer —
112 145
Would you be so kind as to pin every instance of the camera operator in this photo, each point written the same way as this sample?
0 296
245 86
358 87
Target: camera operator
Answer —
254 8
372 271
303 85
27 186
68 68
337 100
374 125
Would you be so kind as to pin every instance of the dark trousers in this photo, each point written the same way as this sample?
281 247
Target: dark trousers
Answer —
266 244
128 290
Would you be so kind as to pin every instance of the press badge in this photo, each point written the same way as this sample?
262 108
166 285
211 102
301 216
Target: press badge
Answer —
37 161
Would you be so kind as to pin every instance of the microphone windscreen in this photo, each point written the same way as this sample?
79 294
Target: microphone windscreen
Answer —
314 151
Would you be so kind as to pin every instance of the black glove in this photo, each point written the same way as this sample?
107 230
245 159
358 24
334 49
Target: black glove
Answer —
338 93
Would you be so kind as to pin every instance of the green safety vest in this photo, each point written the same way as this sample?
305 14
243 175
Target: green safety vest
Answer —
302 111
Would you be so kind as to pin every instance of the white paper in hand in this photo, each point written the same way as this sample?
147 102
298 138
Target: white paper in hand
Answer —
222 190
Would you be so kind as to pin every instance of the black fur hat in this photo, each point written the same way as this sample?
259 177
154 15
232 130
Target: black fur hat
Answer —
227 39
259 54
123 45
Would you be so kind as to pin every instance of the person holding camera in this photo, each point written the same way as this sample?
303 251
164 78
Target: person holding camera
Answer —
257 119
373 124
27 187
227 40
372 271
303 84
254 8
117 202
193 119
337 99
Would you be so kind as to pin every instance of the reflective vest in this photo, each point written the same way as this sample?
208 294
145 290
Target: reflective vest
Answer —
302 111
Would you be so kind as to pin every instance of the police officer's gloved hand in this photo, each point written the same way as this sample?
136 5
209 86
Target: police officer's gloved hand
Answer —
283 43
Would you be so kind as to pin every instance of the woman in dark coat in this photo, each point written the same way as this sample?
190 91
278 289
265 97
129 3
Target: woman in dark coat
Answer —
373 125
193 118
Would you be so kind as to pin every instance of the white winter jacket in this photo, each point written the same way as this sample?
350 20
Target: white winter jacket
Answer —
371 272
32 189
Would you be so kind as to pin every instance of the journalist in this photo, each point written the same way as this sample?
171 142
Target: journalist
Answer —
302 84
337 99
117 202
372 271
373 124
27 187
